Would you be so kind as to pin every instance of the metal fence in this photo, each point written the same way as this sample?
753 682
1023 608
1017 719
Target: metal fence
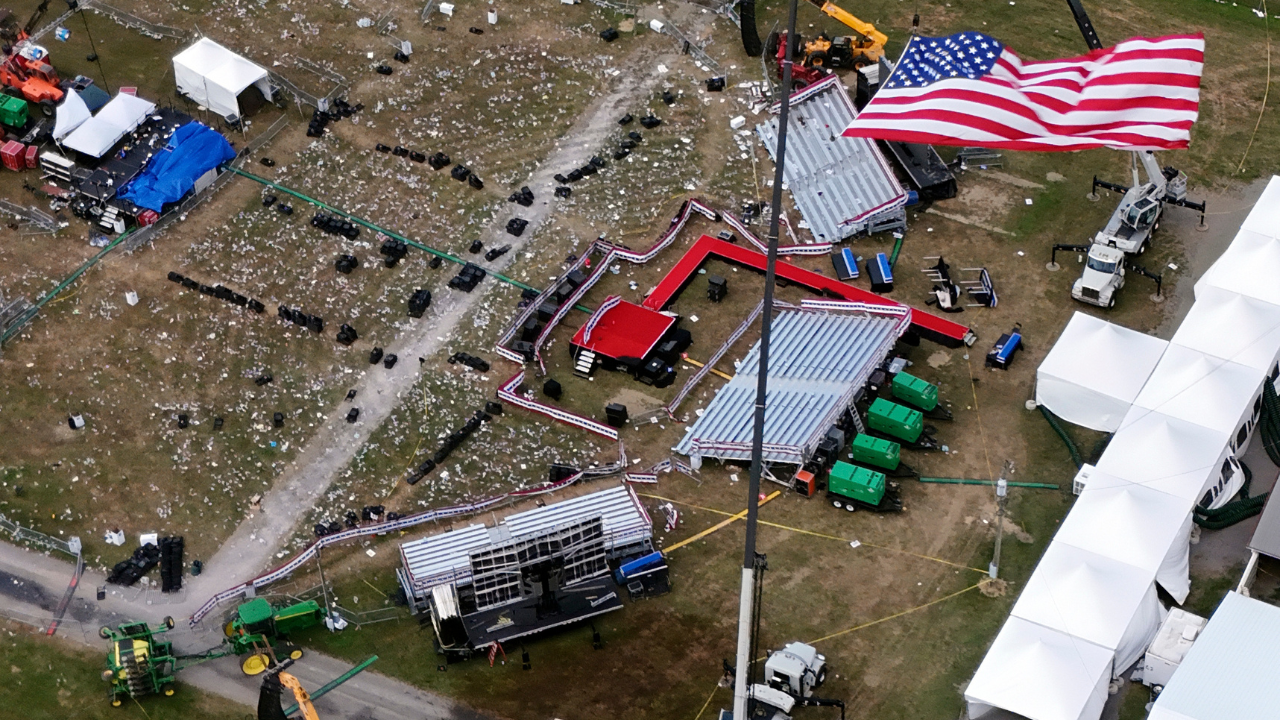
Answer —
129 20
689 47
28 536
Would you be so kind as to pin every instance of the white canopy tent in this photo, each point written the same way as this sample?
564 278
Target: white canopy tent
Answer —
1265 215
1233 327
1040 674
1093 597
116 119
72 113
214 76
1166 454
1134 524
1249 266
1071 382
1205 390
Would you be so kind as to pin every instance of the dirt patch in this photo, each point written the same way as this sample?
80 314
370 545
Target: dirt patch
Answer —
939 359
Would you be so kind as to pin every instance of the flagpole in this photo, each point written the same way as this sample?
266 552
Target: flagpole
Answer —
744 676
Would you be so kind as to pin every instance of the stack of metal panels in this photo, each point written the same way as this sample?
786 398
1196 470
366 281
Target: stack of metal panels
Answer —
843 186
817 362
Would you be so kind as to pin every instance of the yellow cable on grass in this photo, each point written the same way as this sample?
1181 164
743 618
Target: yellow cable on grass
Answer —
1266 89
719 525
695 363
813 533
898 614
708 702
973 386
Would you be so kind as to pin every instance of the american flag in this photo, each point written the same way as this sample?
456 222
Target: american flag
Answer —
969 89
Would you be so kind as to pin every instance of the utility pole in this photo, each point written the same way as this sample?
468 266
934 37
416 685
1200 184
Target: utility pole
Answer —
743 675
1002 499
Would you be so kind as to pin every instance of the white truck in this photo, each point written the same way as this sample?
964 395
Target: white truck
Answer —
1129 230
791 675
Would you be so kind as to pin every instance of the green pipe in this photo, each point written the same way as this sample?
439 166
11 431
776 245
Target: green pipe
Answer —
897 248
388 233
31 311
959 481
335 683
1066 439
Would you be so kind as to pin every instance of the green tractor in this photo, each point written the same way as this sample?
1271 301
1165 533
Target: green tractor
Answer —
260 632
140 663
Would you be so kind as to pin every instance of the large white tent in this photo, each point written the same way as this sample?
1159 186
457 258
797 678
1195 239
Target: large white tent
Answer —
1095 370
1041 674
1205 390
1233 327
1093 597
1164 453
72 113
1249 266
214 76
116 119
1132 523
1265 215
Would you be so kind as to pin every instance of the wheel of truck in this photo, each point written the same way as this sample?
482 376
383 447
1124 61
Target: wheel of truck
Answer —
104 632
818 59
850 507
837 504
1112 302
822 677
1143 247
255 664
47 108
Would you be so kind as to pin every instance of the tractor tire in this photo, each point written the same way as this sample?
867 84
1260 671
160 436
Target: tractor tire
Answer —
798 85
168 692
295 653
104 632
255 665
115 702
228 629
818 59
771 44
47 108
168 622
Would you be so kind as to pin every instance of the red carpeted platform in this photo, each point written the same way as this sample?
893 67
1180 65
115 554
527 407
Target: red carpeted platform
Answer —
926 325
624 330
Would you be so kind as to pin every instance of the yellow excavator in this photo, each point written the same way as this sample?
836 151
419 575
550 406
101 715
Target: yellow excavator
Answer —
269 697
813 58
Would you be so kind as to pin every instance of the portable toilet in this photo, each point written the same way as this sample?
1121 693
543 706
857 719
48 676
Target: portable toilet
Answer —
13 111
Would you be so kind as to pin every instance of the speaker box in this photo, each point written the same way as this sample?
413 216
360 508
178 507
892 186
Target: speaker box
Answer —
278 420
353 414
175 277
475 182
375 356
389 361
625 119
615 414
608 35
460 173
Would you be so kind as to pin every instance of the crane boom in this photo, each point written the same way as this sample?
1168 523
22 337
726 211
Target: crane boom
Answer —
1085 25
864 29
302 697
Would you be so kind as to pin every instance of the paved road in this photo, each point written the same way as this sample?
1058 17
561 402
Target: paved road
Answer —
31 583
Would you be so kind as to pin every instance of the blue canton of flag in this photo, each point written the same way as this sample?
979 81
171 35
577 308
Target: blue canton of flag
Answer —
927 60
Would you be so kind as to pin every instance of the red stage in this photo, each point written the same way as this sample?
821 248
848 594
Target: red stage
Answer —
930 326
624 330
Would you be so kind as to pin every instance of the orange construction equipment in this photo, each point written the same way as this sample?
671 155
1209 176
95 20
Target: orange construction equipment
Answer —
27 71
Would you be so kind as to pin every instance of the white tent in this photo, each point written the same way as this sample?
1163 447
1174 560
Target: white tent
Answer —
214 76
1095 370
1249 266
1093 597
1166 454
1041 674
1205 390
72 113
1265 215
1132 523
116 119
1233 327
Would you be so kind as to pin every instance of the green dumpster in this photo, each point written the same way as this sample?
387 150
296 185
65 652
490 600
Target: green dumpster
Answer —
877 452
895 420
916 392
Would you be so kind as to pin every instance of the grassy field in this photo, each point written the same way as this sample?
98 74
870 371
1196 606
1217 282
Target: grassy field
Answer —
54 680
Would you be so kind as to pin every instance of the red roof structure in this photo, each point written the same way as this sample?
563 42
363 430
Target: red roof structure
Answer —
621 329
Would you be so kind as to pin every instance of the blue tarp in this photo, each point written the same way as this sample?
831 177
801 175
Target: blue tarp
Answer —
193 150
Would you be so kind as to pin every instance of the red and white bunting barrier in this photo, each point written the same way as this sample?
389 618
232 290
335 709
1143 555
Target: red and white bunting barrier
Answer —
902 312
568 304
507 392
642 478
610 303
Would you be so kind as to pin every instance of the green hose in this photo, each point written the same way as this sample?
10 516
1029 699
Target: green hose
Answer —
1071 446
965 481
897 248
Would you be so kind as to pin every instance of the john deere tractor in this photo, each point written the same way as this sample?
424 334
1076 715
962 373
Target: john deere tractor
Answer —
139 663
260 632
